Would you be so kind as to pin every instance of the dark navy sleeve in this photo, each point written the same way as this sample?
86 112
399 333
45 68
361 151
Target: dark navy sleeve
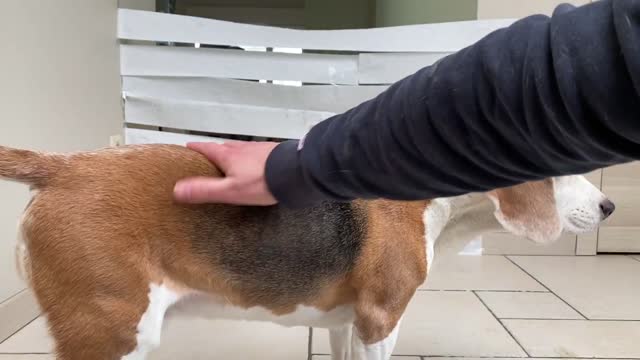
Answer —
543 97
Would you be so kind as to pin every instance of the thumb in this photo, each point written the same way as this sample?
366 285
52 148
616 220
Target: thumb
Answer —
199 190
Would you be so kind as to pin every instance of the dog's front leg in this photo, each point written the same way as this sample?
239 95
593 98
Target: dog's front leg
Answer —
340 339
363 349
347 344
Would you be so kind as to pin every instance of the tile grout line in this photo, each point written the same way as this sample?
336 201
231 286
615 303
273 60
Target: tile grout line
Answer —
535 255
20 329
501 323
575 245
13 296
310 345
6 301
585 320
512 357
26 353
599 225
478 357
487 290
546 287
427 357
516 291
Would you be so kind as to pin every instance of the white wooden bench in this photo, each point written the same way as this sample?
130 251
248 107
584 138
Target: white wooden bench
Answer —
187 89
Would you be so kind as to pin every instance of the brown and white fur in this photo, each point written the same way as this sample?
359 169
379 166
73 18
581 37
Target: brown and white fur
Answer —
109 254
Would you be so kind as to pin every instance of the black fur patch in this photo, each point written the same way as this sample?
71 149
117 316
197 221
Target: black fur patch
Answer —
281 255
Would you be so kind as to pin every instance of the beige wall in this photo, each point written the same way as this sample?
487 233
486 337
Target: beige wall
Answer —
495 9
338 14
148 5
406 12
59 91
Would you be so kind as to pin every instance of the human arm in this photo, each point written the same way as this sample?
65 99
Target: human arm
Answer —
544 97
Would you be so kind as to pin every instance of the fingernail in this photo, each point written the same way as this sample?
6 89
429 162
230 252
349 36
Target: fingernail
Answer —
181 191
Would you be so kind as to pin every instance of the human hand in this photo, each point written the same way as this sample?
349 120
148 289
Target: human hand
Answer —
243 164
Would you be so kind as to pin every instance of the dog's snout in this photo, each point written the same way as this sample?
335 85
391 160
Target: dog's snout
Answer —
607 207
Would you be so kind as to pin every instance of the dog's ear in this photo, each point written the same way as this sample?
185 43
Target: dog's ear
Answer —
528 210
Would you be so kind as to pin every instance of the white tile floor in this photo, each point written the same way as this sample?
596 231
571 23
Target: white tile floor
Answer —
596 286
474 307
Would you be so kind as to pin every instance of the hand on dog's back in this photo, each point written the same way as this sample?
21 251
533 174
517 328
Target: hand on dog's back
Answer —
243 164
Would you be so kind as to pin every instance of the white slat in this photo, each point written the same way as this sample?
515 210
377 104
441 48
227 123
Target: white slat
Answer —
334 99
237 64
387 68
222 118
140 136
444 37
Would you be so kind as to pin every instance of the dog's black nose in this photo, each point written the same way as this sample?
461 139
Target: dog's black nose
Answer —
607 207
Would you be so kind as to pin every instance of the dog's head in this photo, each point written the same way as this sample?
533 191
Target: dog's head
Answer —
542 210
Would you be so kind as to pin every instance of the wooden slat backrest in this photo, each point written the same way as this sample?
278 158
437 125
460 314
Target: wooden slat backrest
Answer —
216 90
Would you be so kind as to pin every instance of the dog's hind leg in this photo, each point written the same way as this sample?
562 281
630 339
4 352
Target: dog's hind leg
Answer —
107 321
113 326
150 325
103 329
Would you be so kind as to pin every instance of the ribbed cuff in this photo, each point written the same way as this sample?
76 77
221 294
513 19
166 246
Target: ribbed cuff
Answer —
286 179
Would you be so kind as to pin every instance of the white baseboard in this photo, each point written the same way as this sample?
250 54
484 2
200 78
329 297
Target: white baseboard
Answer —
16 312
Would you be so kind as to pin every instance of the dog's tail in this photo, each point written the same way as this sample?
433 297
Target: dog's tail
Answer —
28 167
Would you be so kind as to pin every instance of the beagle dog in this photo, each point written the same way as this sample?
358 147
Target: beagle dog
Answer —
109 254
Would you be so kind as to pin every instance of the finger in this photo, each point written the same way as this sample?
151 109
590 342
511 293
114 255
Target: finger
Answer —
202 147
234 143
216 153
199 190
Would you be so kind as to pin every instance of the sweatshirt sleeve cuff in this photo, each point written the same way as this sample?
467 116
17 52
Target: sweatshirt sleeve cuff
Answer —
286 178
